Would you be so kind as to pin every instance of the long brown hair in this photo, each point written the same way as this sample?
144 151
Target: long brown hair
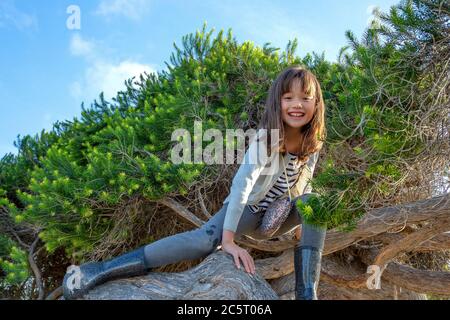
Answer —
314 132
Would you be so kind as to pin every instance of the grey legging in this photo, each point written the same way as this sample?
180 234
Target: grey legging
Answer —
202 241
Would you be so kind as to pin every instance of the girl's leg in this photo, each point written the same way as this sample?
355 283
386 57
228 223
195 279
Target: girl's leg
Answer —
307 254
307 262
199 242
294 219
188 245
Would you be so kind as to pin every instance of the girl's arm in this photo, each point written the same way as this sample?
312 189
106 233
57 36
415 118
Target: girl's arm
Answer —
243 183
241 187
227 236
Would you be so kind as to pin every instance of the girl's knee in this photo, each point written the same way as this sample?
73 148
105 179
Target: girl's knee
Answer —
210 237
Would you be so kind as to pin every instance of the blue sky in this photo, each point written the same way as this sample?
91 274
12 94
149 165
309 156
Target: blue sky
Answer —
47 69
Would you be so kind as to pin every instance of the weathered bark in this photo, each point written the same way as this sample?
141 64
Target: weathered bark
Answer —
412 240
272 268
384 219
216 277
434 282
424 281
437 243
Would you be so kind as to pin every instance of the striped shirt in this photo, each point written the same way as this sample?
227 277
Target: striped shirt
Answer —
280 187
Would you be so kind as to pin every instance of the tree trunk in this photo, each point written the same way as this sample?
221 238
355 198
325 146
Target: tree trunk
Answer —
216 277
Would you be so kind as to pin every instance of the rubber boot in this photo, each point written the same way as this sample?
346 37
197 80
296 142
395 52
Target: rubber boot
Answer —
307 262
79 280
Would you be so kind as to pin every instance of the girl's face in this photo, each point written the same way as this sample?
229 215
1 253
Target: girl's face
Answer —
297 108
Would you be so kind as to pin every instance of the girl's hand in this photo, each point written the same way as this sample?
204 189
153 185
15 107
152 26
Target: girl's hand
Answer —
239 253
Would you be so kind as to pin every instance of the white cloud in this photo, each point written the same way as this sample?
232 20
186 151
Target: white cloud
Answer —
102 74
132 9
81 47
107 78
10 15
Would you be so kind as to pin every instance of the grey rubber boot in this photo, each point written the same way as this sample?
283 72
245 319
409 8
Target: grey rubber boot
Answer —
79 280
307 262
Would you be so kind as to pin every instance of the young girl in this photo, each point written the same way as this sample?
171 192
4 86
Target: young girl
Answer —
295 107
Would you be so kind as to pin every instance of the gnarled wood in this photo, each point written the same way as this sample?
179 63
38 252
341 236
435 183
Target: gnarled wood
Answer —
423 281
412 240
272 268
381 220
216 277
439 242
